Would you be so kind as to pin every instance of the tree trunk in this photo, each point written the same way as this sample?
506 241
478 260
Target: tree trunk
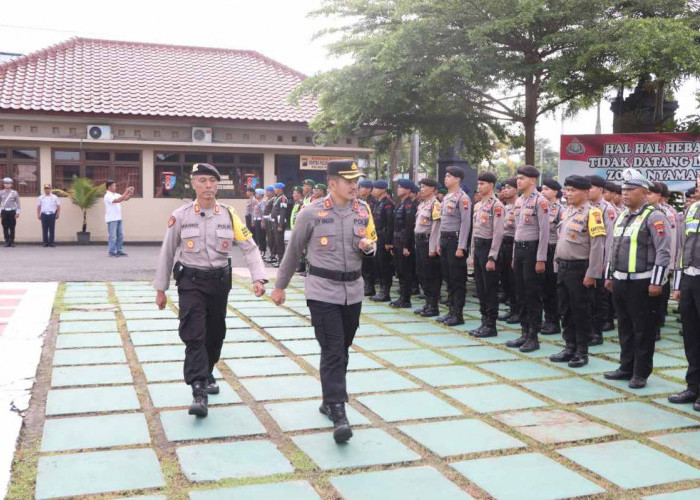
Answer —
394 158
530 121
659 104
84 220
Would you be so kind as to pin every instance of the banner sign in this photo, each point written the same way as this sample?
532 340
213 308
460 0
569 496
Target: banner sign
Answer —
673 158
307 162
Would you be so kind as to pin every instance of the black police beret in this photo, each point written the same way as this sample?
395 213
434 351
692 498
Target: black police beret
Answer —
578 182
655 187
511 181
366 183
455 171
380 184
347 169
664 190
427 181
613 188
690 192
528 171
597 181
205 169
551 184
487 177
406 184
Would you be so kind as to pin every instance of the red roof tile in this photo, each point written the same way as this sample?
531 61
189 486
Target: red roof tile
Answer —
107 77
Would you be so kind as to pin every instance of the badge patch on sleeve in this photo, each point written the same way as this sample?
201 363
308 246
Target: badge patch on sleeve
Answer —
612 215
595 223
465 204
171 221
659 227
544 206
498 211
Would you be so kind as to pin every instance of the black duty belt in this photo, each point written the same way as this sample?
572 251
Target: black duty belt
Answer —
507 240
449 234
200 274
423 236
482 242
335 275
572 265
526 244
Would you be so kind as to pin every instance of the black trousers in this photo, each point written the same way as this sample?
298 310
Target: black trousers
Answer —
9 222
486 281
690 318
549 295
504 267
384 263
259 236
368 270
249 223
334 326
48 227
279 243
529 285
600 307
454 273
662 308
270 237
575 302
405 268
636 325
427 269
202 324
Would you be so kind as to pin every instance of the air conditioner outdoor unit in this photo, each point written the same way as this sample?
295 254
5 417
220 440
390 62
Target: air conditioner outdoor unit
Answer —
99 132
201 134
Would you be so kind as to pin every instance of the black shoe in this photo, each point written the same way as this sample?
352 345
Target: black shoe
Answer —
513 319
370 291
637 383
199 401
608 326
52 245
595 340
487 330
430 311
401 304
578 361
419 311
444 318
341 427
477 329
517 342
382 296
617 375
45 245
687 396
696 405
325 410
12 244
454 320
550 329
504 316
212 387
122 254
563 356
7 243
531 344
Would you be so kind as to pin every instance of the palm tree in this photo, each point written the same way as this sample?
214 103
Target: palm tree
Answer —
84 194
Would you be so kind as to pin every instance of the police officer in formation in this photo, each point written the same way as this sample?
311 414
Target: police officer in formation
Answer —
427 233
337 230
550 189
509 197
278 216
204 232
403 246
368 268
383 215
10 209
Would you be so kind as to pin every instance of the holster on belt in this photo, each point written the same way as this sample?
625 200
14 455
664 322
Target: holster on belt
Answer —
178 271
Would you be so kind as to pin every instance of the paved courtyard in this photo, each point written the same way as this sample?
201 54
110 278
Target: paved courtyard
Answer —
436 414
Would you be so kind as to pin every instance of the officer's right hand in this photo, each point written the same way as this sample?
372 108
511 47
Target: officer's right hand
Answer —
608 285
459 253
278 296
588 282
161 299
677 295
439 251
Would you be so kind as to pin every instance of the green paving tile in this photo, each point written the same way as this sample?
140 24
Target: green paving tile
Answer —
545 351
370 330
655 385
666 343
445 340
546 479
249 350
87 326
485 399
408 406
166 372
157 314
384 343
662 360
458 437
638 417
357 362
288 387
415 357
94 432
213 462
138 307
152 325
180 394
571 390
554 426
90 473
677 373
65 376
87 316
304 415
238 323
225 421
160 353
302 347
480 354
377 381
469 324
89 400
244 335
296 333
521 370
612 461
68 357
259 312
677 495
613 350
86 300
294 490
595 365
687 443
685 408
396 317
441 376
88 340
284 321
421 328
366 448
414 483
263 366
502 337
156 338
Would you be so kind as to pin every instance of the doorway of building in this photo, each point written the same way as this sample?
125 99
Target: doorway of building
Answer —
287 171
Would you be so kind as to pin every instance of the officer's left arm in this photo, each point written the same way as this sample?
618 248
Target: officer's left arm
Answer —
244 239
410 228
542 210
370 236
658 226
597 234
19 207
434 240
465 208
498 222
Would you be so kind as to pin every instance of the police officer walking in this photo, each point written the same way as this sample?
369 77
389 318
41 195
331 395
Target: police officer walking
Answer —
279 216
48 209
509 198
204 232
579 258
530 257
337 231
383 215
10 209
550 190
637 266
486 240
368 268
427 260
455 223
403 247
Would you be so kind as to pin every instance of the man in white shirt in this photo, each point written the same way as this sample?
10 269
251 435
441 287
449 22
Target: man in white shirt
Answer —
48 209
113 217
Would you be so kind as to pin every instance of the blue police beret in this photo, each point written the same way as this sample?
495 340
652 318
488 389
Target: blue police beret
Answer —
259 191
366 183
269 188
279 185
406 183
380 184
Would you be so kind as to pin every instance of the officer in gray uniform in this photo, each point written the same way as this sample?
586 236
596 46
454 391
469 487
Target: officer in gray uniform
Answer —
10 209
269 224
637 263
427 260
550 190
280 219
579 261
510 200
530 257
455 223
486 241
338 230
204 232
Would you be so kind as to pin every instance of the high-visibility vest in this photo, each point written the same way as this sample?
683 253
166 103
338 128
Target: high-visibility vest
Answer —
692 228
630 230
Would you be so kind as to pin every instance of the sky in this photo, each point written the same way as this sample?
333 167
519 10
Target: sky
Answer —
279 29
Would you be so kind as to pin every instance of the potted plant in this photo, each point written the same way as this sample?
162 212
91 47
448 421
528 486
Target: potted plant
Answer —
84 194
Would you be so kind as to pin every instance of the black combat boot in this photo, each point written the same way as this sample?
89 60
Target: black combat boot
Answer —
520 340
419 311
595 339
488 329
382 296
341 427
690 395
455 320
563 356
199 400
531 342
444 318
579 360
478 328
404 300
513 319
551 325
431 308
370 291
212 387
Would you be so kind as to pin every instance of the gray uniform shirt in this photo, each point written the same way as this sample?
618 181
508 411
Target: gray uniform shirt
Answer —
456 215
427 218
331 235
488 223
581 236
9 200
532 222
610 214
556 210
205 242
509 220
674 230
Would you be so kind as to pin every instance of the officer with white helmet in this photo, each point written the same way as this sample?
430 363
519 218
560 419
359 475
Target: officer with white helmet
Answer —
10 209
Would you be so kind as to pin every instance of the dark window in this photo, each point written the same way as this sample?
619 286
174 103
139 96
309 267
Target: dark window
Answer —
195 158
223 158
22 165
127 157
66 155
124 167
97 155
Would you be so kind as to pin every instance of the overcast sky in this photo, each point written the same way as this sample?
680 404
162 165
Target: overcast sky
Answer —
279 29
